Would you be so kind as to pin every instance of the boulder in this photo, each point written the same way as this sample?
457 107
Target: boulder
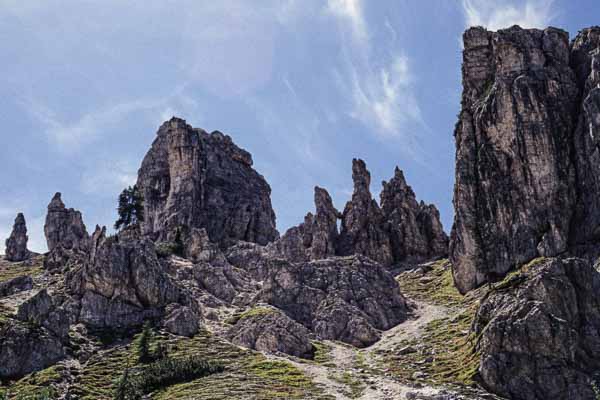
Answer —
193 179
16 244
15 285
538 332
269 330
181 320
25 348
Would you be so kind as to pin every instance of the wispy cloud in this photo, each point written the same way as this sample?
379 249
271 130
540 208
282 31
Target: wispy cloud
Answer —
384 98
378 81
352 12
496 15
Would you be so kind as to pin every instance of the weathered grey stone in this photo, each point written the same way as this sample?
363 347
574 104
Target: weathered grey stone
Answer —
416 233
181 320
362 289
64 227
16 244
121 284
314 239
43 310
25 348
336 319
539 332
15 285
194 179
363 222
269 330
585 61
514 193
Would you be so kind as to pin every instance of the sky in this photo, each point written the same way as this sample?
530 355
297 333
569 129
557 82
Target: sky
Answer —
303 85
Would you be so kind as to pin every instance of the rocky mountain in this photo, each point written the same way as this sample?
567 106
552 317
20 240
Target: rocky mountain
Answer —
526 166
203 300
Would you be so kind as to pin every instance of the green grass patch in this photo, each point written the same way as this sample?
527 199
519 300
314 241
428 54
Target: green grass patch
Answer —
31 268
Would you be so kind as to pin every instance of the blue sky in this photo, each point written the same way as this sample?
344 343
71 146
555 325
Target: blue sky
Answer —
303 85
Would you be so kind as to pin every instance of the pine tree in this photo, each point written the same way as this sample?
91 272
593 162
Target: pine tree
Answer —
143 344
131 207
122 389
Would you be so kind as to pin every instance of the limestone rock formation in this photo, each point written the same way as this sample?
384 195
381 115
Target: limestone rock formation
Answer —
316 238
539 332
43 310
181 320
514 193
193 179
362 221
16 244
121 284
269 330
64 227
25 348
416 233
585 62
363 290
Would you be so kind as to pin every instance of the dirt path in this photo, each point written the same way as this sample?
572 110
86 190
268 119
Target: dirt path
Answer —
355 374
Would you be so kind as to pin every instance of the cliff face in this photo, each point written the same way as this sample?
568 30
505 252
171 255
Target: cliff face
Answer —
194 179
522 163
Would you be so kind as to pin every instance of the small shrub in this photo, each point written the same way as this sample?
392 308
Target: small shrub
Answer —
162 373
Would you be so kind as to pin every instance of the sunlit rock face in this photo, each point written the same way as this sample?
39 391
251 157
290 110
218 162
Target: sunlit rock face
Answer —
194 179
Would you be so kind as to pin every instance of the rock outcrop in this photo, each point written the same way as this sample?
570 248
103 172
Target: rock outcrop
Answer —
64 227
416 233
25 348
340 298
316 238
539 332
121 284
16 244
515 179
15 285
362 221
193 179
269 330
181 320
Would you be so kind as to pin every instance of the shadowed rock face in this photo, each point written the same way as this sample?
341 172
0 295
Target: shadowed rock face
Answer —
585 61
195 179
316 238
515 180
16 244
539 332
416 233
362 221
